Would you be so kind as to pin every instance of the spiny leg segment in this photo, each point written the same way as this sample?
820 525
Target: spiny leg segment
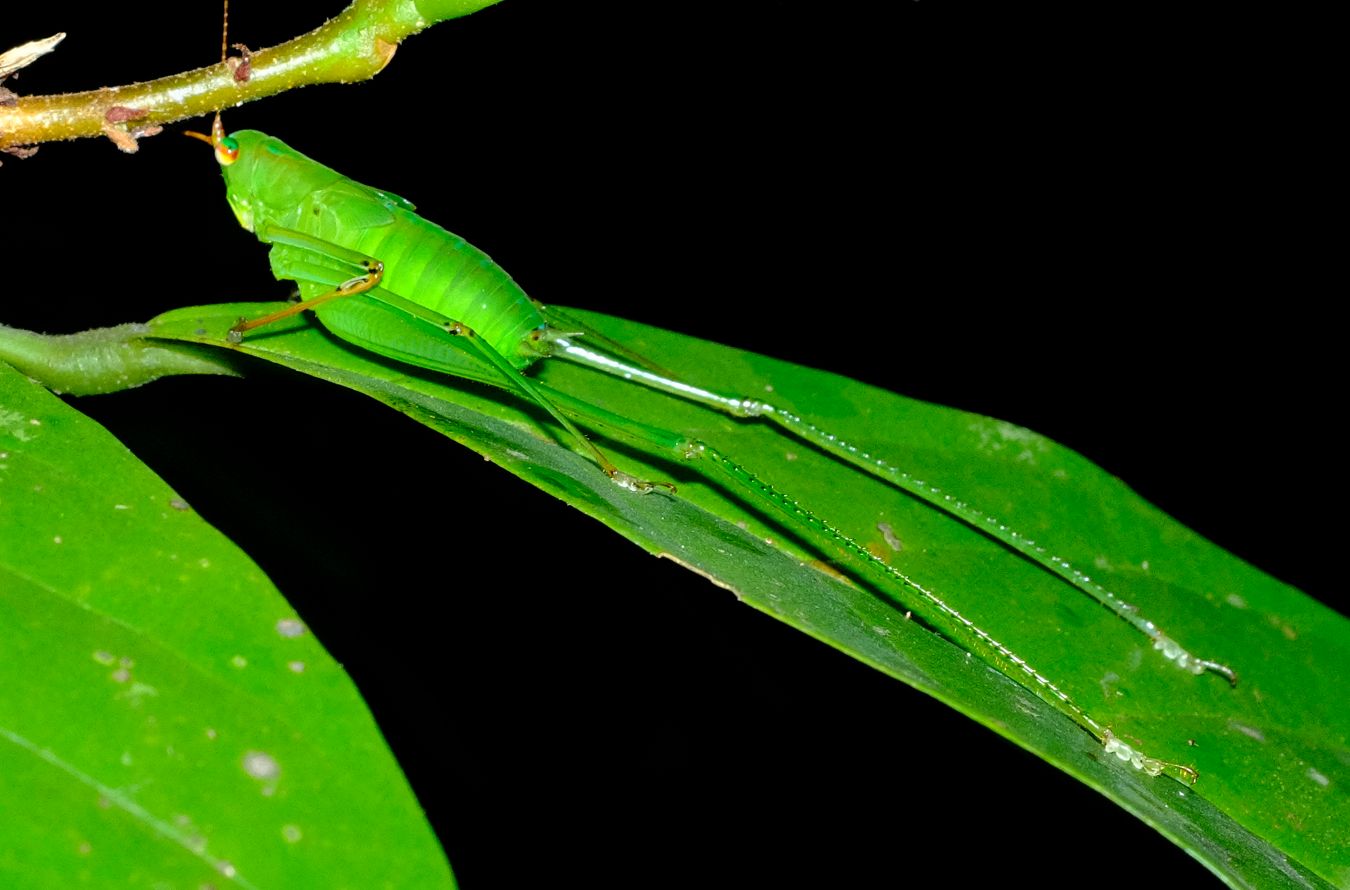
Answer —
926 603
565 346
922 600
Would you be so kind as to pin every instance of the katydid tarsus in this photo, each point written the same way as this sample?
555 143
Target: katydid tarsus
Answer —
385 279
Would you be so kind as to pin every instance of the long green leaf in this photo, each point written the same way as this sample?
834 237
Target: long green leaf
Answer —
165 717
1271 753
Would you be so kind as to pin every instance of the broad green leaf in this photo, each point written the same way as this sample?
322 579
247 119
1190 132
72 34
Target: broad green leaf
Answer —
1272 753
166 720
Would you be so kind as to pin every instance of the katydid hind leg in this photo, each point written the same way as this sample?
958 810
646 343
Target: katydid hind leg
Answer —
420 331
434 326
930 605
889 471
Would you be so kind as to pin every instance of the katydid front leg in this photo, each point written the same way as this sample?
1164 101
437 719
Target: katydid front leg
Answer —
305 258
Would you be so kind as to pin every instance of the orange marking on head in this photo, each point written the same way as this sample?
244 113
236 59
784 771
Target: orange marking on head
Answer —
227 152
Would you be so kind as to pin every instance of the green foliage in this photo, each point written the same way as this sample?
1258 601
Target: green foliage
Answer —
95 580
1266 751
167 719
1271 753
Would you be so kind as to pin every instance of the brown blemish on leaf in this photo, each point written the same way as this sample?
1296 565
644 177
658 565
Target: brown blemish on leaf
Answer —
826 569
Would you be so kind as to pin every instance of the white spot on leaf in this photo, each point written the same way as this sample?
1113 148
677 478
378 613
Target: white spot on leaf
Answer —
261 766
890 537
290 627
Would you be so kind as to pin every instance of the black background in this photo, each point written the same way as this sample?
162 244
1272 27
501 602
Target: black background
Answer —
1106 233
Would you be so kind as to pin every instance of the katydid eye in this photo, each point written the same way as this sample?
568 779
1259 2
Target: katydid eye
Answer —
227 150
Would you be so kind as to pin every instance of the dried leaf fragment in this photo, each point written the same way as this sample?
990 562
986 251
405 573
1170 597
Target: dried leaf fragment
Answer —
25 54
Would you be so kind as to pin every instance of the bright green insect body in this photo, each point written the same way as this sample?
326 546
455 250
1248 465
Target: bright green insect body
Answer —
324 229
306 210
380 276
273 188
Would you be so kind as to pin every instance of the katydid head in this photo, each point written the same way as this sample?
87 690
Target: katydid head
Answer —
227 154
265 179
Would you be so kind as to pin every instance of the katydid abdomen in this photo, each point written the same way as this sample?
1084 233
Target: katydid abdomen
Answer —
438 269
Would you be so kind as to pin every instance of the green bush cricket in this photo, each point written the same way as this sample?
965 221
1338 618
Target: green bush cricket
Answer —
383 278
